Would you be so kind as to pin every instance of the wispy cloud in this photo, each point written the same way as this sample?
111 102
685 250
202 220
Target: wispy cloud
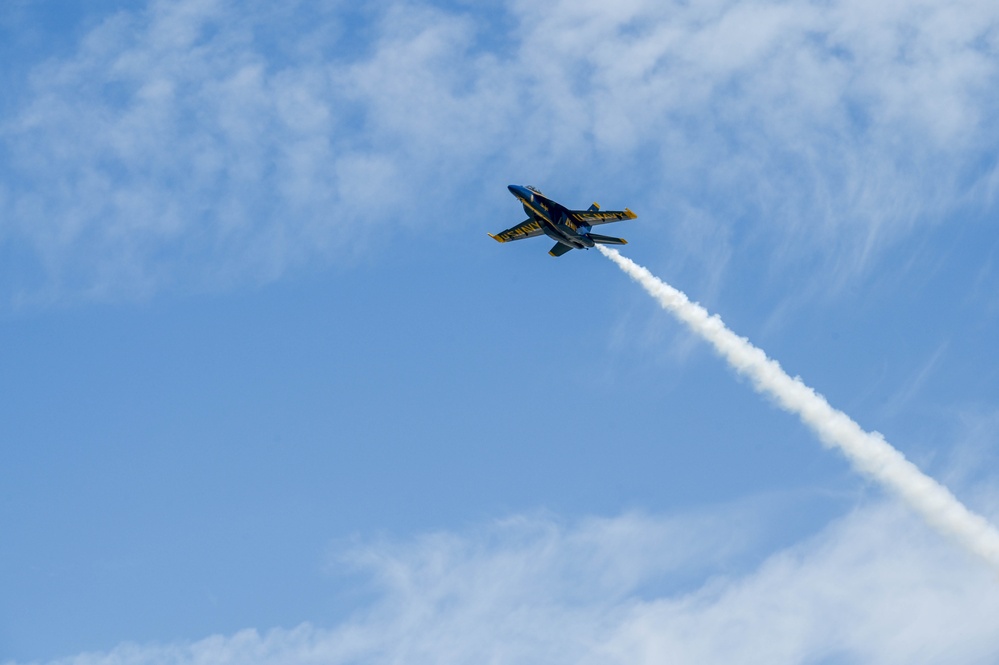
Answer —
910 389
192 143
874 586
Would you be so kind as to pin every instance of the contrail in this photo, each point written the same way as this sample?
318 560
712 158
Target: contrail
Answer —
868 451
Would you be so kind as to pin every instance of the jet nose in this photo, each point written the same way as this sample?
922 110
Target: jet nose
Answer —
520 192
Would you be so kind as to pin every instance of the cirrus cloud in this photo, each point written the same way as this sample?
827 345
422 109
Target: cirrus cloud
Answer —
191 144
875 586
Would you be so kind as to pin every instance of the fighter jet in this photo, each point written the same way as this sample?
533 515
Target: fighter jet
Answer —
569 228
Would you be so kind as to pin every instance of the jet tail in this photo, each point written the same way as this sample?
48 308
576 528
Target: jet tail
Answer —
606 240
559 249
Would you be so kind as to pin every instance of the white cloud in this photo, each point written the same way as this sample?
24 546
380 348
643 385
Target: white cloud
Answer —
193 143
874 587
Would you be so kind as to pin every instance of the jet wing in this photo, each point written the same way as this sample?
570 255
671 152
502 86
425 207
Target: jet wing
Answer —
526 229
593 217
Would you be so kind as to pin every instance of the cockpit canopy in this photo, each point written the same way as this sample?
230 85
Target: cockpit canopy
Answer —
534 189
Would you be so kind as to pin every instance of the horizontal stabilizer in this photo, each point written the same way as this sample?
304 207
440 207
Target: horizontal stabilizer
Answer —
593 208
559 249
607 240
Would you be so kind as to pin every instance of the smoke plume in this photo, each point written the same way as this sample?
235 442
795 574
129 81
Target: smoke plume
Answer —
867 451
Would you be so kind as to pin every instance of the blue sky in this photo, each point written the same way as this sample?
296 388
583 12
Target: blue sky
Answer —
271 394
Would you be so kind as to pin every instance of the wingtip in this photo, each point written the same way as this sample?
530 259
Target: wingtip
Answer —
496 238
629 213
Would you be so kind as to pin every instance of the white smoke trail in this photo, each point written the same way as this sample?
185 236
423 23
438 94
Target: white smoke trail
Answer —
868 451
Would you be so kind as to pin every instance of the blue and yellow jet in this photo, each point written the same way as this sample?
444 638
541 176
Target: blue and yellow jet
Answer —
569 228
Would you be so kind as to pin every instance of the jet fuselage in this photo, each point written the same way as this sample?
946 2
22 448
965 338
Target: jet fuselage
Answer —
554 218
570 229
